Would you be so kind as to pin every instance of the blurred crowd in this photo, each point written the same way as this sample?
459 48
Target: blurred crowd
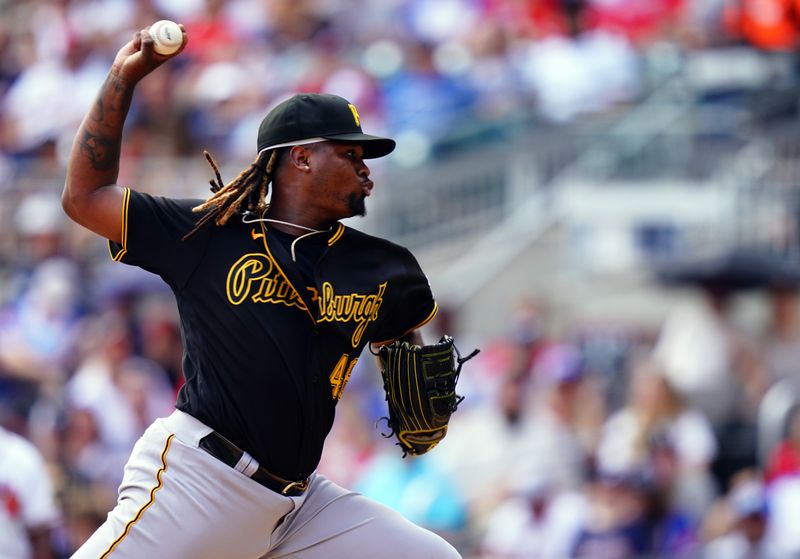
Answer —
617 441
430 72
596 442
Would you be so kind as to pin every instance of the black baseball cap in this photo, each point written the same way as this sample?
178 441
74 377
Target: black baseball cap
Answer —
309 117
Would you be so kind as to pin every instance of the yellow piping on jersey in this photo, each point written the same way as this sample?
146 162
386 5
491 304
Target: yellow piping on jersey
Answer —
126 197
336 236
427 319
280 271
139 514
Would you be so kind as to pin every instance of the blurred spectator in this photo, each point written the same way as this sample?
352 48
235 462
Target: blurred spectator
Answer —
37 336
766 24
567 417
34 107
88 476
781 341
616 520
502 95
534 19
782 475
696 349
657 424
607 348
418 489
294 22
38 332
437 21
626 520
536 522
641 22
38 237
715 367
527 329
542 420
702 23
213 35
745 521
581 72
424 105
488 443
784 461
123 393
82 453
497 410
40 225
28 510
782 538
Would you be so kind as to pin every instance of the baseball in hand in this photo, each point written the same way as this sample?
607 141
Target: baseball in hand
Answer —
167 36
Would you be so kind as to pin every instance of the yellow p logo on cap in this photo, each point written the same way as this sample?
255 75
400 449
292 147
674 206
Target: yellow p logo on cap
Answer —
355 114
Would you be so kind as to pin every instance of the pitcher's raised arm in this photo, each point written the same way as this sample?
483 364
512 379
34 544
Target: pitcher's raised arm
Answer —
91 196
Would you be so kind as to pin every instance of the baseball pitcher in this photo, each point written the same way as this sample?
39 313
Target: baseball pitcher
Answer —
276 303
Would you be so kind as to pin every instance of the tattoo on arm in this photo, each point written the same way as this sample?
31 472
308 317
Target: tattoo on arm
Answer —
102 152
102 149
104 109
119 84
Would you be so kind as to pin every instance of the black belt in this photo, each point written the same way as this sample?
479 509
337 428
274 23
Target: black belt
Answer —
225 451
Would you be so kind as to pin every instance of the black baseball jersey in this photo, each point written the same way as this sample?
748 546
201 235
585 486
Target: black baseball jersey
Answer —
268 352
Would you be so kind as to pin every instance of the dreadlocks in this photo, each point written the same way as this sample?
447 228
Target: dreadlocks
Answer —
248 191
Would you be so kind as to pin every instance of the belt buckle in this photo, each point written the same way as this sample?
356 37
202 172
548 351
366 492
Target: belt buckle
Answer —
301 485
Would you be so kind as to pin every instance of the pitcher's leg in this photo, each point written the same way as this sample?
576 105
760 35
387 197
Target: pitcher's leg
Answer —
177 502
335 522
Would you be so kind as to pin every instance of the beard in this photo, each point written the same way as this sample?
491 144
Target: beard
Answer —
356 204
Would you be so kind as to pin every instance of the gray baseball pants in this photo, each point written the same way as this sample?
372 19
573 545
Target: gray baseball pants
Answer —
176 501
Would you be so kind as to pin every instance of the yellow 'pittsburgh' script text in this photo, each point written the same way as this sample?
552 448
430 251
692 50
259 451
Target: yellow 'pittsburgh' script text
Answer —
255 277
353 307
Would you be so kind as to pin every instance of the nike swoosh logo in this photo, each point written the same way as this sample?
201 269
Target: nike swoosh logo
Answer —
255 235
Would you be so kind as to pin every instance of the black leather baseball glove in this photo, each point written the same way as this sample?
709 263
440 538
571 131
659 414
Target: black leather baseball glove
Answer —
420 384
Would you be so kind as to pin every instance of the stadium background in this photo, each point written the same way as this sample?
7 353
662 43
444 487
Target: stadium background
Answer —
604 194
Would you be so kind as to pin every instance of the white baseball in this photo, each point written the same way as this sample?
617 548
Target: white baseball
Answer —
167 36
